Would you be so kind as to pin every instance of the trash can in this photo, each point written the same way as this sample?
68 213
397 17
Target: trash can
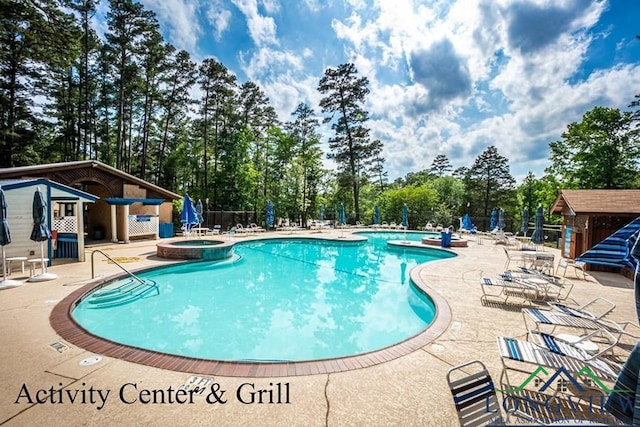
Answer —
166 230
445 239
98 232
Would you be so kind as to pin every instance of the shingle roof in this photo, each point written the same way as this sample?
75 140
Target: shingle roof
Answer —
598 201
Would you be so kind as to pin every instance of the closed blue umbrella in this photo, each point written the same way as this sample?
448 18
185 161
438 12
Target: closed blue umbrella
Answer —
501 224
189 215
466 222
40 232
5 234
270 214
525 222
5 239
494 219
376 215
405 216
537 238
341 216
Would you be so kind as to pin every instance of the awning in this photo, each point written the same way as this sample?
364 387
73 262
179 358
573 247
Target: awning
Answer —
131 200
614 251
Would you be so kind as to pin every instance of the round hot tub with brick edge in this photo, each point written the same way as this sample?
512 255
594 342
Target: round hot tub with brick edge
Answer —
202 249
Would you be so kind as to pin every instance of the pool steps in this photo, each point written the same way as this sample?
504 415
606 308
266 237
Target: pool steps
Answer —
124 293
134 289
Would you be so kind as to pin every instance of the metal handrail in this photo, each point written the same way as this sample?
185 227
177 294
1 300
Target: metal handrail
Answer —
116 263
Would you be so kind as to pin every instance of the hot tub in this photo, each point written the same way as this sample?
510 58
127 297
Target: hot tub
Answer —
202 249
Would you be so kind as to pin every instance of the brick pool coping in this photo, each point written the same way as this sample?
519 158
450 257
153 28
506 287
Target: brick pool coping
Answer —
63 323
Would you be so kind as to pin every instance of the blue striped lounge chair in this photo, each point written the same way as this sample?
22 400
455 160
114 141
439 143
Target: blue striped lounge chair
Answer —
587 310
553 320
554 353
501 290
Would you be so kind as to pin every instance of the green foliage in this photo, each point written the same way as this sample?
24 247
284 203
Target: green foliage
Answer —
420 201
601 151
128 101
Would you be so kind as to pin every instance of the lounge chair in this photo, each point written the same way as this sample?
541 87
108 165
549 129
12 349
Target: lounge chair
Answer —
475 396
217 229
586 310
551 288
439 228
502 290
555 353
240 229
393 225
255 228
428 227
552 320
384 224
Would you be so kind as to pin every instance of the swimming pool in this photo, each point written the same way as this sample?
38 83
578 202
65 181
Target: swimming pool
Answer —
286 299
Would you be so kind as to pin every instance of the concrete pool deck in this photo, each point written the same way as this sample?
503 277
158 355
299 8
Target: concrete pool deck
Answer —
409 390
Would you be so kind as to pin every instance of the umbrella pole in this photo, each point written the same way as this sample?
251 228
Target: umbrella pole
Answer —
4 266
42 256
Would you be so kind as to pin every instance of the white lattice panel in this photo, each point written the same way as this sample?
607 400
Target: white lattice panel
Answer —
67 224
141 225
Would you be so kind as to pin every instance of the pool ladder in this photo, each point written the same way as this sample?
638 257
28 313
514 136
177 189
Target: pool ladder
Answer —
133 289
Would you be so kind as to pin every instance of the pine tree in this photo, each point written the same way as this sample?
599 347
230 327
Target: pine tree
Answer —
441 165
345 95
489 182
218 102
303 131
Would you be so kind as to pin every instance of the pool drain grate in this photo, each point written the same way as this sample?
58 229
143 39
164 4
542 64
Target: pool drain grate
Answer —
91 360
197 384
59 347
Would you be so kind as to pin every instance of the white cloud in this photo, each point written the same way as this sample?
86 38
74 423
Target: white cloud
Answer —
180 18
219 18
515 85
262 29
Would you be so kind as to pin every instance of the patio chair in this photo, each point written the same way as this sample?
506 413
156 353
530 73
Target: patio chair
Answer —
511 256
217 229
565 263
428 227
475 396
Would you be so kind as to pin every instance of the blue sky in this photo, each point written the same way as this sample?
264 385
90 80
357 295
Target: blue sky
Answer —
446 76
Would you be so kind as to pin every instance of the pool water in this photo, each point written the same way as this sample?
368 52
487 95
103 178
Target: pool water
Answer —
293 299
